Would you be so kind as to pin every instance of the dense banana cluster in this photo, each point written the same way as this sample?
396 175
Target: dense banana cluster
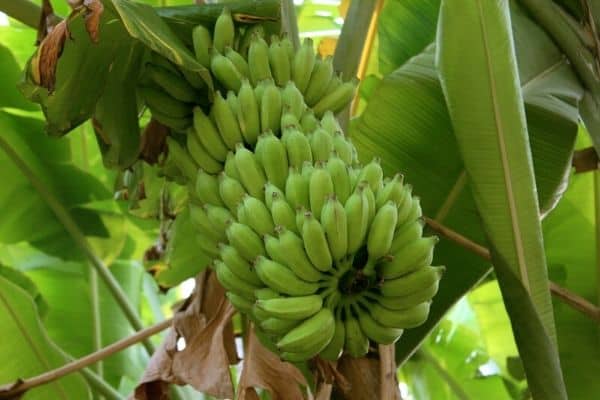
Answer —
323 254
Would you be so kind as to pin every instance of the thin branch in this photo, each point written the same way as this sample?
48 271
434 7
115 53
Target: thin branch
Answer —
13 389
63 215
23 11
571 299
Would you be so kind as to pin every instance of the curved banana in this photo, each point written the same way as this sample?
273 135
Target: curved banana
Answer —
296 189
321 143
172 84
240 62
339 175
230 168
411 300
320 187
372 173
411 283
298 148
334 349
178 124
167 105
343 147
406 235
258 216
258 60
181 159
231 191
226 122
218 217
224 32
202 41
337 100
201 156
294 308
237 265
415 255
335 225
296 259
304 61
206 188
246 241
311 336
293 100
202 224
319 80
249 113
231 282
356 342
282 279
206 132
241 303
278 326
279 62
270 192
357 213
282 213
315 243
250 172
330 123
375 331
408 318
308 121
270 108
382 230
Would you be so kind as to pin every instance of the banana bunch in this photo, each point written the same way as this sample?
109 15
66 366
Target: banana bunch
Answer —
326 259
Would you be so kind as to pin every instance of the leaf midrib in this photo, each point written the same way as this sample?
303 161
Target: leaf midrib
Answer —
515 223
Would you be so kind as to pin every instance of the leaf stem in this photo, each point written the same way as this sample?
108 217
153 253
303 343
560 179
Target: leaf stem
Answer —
571 299
387 371
79 238
11 390
23 11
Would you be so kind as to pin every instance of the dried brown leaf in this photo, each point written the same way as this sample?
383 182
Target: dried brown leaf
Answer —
266 370
48 20
363 376
204 322
153 142
49 52
94 9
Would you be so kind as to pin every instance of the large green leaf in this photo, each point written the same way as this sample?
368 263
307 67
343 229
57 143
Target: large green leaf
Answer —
10 73
81 74
483 93
405 28
406 123
570 236
27 351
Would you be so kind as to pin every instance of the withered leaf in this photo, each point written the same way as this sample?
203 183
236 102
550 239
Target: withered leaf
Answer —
49 52
364 379
153 142
204 322
266 370
48 21
94 9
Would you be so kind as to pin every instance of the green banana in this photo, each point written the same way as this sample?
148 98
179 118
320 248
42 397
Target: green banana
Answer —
288 120
282 279
196 81
164 63
241 303
249 112
337 100
406 235
375 331
202 41
298 148
372 173
207 188
296 189
415 255
334 349
408 318
343 147
321 143
410 214
245 240
250 172
315 243
225 71
411 283
279 62
292 99
370 198
258 216
411 300
226 122
231 282
335 225
278 326
381 233
208 246
173 85
181 159
230 168
308 121
178 124
330 123
287 44
266 293
311 336
231 191
258 60
224 32
270 192
357 213
339 175
294 308
218 217
200 155
246 39
356 342
296 259
206 132
159 100
200 220
334 83
236 264
302 67
391 191
320 187
270 108
240 62
319 80
282 213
